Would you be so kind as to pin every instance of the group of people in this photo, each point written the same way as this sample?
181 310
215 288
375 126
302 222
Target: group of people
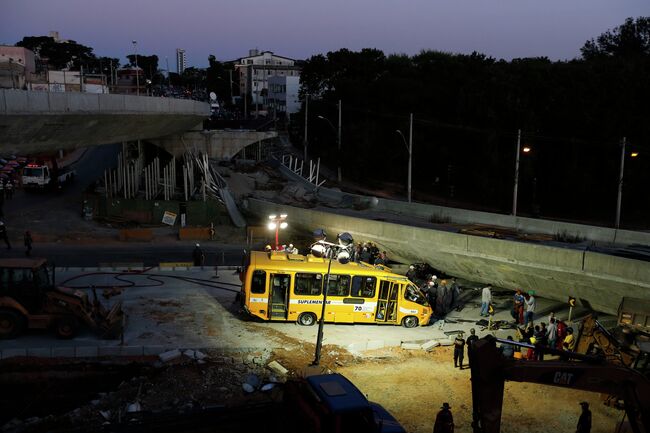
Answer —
445 420
27 239
556 335
368 252
523 307
442 295
290 249
459 347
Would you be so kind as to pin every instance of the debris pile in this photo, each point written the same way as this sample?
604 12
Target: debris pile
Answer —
181 382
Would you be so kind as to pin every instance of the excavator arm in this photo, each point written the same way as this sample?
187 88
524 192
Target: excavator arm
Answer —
490 370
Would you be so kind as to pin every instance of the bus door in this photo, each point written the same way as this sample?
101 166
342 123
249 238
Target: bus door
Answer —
387 302
279 296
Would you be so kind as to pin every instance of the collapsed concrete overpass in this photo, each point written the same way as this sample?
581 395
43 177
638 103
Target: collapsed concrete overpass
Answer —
597 280
42 122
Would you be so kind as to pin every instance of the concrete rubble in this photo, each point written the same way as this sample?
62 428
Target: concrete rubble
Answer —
169 355
277 368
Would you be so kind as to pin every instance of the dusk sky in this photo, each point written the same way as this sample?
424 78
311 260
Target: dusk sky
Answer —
301 28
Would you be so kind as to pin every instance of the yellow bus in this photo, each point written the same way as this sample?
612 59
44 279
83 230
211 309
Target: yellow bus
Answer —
289 287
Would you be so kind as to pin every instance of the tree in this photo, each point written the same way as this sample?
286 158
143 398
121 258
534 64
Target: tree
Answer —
58 55
631 39
218 79
148 64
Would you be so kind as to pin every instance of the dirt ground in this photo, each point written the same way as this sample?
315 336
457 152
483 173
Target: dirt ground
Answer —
412 387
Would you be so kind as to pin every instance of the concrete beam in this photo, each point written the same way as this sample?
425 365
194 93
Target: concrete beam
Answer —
597 280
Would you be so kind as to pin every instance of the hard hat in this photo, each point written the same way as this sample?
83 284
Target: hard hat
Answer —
198 245
411 267
290 245
433 277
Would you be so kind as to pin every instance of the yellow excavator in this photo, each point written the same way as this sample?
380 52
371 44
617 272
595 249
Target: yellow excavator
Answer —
490 370
30 299
628 344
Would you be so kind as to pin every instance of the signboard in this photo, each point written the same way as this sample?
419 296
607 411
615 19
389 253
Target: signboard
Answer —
169 218
572 301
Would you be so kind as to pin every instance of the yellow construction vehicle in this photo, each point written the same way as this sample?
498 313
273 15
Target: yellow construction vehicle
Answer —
628 344
29 299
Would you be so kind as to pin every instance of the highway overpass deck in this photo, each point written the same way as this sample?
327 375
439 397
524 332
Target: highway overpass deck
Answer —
35 122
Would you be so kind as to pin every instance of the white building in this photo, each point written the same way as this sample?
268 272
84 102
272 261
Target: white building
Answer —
283 95
256 69
181 60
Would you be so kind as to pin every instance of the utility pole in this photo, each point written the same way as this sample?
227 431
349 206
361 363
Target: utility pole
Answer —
339 177
230 75
620 185
168 76
514 194
410 155
306 117
137 73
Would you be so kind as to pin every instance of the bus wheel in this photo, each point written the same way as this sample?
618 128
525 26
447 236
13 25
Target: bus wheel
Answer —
11 323
307 319
410 322
66 328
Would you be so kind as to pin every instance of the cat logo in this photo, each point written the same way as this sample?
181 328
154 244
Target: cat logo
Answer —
563 378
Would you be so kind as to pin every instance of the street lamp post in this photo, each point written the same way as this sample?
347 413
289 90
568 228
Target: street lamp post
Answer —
339 176
322 248
619 198
409 148
276 223
306 117
137 72
514 193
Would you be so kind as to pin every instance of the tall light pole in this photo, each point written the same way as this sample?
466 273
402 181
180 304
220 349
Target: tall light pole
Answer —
340 157
137 72
409 148
306 117
514 193
619 198
338 140
276 223
328 250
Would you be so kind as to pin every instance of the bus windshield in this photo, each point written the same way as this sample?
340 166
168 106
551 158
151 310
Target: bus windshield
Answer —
412 293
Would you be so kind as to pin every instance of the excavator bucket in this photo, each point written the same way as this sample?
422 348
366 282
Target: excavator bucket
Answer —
112 325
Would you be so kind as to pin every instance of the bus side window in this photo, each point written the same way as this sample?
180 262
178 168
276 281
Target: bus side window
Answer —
339 285
363 287
258 282
308 284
